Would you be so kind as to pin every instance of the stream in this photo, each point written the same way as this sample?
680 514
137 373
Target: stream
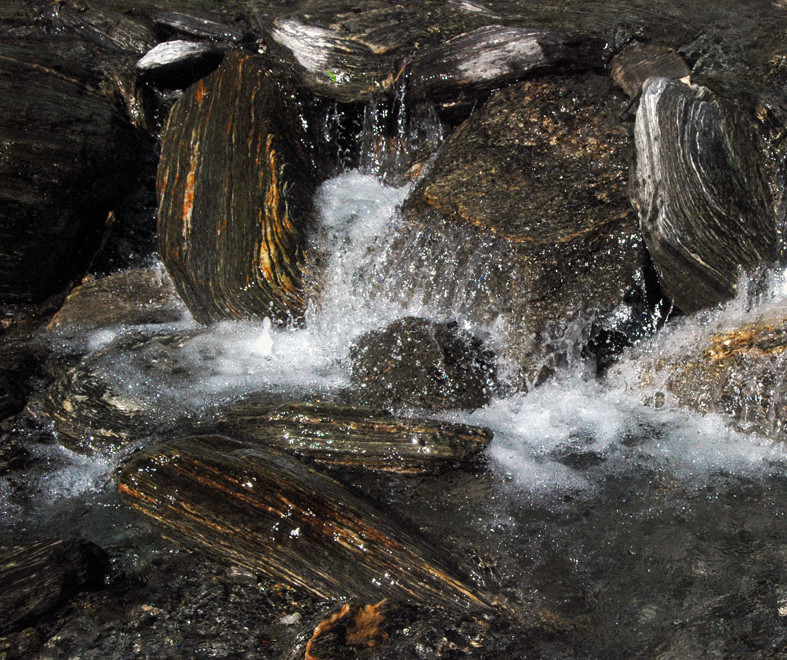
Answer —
645 530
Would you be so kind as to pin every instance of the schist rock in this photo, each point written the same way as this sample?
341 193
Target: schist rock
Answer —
535 184
633 66
419 363
463 67
274 515
41 576
130 297
702 189
68 157
354 436
179 63
235 187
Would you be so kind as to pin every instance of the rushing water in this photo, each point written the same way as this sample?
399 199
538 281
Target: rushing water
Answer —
647 531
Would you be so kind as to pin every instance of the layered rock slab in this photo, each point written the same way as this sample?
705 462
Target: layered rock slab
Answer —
235 183
355 436
66 157
276 516
537 182
703 188
736 371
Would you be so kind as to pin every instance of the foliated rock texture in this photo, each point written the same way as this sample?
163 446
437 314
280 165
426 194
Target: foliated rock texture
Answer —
235 183
703 193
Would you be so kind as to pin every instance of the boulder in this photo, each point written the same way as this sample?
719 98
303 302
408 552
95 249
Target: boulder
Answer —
702 186
419 363
524 219
179 63
273 515
235 184
68 157
354 436
633 66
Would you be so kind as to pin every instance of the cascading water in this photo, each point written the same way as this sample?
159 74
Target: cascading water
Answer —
613 514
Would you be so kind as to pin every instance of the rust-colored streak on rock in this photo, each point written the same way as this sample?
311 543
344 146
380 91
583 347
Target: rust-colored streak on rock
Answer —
365 630
750 339
199 92
322 628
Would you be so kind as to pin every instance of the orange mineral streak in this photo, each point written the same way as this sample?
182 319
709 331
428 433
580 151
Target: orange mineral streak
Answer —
200 92
366 629
322 627
188 193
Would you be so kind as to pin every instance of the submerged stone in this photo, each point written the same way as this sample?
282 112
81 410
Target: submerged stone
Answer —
703 190
131 297
536 182
355 436
235 184
420 363
269 513
41 576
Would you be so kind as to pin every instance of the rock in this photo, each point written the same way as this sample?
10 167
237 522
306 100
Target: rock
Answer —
702 187
179 63
351 51
734 371
11 395
473 63
423 364
632 67
235 186
133 297
41 576
180 24
104 27
354 436
131 388
67 160
273 515
524 218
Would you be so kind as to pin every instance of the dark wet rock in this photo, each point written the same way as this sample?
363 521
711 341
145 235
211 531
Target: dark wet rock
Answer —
273 515
179 24
494 55
132 297
737 372
632 67
420 363
235 185
703 189
11 397
179 63
41 576
350 51
131 388
355 436
102 26
536 184
67 161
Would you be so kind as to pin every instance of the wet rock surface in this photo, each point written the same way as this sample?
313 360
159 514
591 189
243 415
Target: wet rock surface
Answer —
702 187
235 184
736 372
419 363
68 156
132 297
539 174
39 577
276 516
355 436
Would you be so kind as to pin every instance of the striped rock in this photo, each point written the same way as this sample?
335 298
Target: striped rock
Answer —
235 183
